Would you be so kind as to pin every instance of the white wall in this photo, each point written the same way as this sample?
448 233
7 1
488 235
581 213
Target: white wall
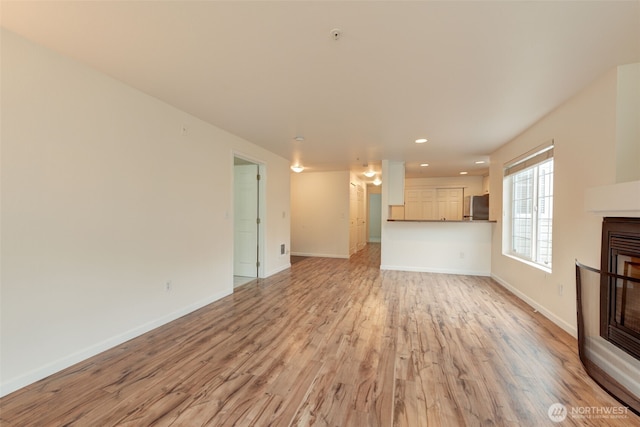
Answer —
104 202
584 131
320 214
628 123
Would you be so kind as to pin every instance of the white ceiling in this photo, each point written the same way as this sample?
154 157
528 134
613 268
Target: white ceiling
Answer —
469 76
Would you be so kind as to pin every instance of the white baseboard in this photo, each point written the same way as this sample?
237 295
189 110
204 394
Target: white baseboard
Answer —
537 306
615 362
51 368
311 254
436 270
278 270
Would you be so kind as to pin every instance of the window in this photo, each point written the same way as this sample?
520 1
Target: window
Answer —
528 207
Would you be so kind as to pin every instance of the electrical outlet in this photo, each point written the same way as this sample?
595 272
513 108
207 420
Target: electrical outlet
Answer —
560 290
168 286
282 250
461 255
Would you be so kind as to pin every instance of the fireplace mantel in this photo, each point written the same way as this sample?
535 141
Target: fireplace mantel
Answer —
616 200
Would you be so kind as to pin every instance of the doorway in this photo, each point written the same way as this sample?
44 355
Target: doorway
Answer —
375 217
246 220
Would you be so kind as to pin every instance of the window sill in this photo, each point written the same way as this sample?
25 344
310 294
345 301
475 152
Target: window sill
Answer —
529 263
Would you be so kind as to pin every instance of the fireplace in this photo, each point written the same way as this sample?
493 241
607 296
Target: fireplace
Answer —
619 295
608 305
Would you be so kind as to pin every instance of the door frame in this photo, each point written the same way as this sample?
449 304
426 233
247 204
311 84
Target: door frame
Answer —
379 214
262 199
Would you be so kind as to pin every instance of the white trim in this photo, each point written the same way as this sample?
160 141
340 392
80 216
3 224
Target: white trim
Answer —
527 261
614 200
570 329
51 368
247 157
262 208
278 270
311 254
436 270
623 369
509 208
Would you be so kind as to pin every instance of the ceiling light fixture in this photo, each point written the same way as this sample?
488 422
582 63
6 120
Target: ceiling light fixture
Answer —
377 181
463 173
480 162
297 168
299 138
424 165
421 140
369 174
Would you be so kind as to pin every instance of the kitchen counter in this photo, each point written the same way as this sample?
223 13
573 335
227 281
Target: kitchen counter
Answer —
443 221
452 247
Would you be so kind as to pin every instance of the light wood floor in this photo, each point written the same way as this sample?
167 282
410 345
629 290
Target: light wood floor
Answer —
331 342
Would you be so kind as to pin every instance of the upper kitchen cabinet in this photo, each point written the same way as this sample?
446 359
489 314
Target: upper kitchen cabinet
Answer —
395 181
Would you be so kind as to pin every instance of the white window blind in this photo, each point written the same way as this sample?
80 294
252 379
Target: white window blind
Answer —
528 206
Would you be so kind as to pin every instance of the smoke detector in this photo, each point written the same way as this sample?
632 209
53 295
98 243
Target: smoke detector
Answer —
336 34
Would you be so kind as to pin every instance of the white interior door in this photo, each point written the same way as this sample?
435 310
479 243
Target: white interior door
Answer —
245 187
375 217
362 222
353 219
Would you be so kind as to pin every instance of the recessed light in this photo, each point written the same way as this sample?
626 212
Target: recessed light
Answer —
480 162
421 140
297 168
463 173
424 165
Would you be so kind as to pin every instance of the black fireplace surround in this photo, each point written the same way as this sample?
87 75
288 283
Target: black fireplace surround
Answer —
620 298
619 303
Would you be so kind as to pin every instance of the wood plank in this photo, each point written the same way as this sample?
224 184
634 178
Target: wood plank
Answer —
331 342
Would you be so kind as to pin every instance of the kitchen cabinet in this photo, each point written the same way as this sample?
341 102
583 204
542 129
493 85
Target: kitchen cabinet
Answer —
450 203
421 203
396 183
424 203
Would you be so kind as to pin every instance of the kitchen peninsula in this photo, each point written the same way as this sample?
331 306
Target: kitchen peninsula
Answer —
454 247
432 245
440 220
